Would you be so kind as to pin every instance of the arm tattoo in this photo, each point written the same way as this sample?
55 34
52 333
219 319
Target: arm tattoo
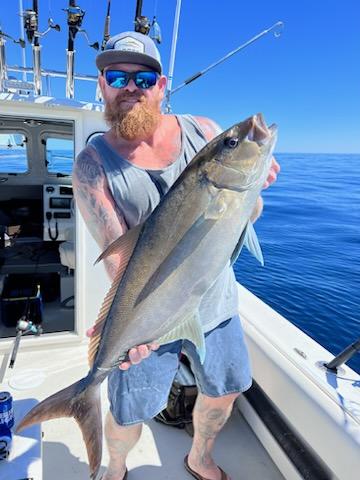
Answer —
95 200
88 169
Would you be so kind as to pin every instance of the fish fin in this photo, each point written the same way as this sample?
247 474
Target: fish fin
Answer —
100 321
238 248
251 242
249 239
78 401
189 329
217 208
125 243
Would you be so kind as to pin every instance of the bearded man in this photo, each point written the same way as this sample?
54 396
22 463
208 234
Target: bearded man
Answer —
118 180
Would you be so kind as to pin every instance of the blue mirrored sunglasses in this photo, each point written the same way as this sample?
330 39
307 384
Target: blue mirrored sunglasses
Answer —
119 78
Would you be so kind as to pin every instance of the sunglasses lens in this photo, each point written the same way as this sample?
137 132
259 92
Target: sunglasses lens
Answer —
116 78
119 79
145 79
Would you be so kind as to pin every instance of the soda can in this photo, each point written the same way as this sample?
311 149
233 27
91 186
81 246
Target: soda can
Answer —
5 441
6 410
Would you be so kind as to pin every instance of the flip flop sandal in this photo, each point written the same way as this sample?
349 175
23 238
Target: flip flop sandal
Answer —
124 477
198 476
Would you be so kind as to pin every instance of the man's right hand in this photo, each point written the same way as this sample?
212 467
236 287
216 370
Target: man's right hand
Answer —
135 354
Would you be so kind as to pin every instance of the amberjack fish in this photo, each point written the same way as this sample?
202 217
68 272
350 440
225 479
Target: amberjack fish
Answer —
168 263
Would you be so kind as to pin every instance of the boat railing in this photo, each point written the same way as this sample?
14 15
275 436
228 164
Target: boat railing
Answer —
15 85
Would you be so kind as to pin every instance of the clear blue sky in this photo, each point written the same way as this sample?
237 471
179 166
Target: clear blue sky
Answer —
307 80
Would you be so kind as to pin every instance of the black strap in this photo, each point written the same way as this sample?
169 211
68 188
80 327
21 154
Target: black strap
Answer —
156 183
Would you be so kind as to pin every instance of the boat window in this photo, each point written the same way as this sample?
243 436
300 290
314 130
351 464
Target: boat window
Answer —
59 155
13 153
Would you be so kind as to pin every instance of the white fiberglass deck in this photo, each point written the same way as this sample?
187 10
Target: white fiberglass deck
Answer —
158 455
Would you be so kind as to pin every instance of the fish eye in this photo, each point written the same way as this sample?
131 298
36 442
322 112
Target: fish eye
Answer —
231 142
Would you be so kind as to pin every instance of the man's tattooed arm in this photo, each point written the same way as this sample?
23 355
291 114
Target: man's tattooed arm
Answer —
96 204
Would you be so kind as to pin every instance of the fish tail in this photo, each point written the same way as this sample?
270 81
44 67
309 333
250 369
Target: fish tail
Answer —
81 401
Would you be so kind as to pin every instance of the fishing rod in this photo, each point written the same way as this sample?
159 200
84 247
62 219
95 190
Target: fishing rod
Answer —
276 29
23 50
106 26
106 37
343 356
31 26
75 16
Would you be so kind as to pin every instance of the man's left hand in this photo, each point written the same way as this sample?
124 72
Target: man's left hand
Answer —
273 173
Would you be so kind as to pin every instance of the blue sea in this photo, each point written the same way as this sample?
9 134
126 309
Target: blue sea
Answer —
310 237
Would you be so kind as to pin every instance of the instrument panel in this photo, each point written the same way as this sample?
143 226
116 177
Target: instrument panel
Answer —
58 212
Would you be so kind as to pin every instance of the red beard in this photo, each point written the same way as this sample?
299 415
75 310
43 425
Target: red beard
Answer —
132 121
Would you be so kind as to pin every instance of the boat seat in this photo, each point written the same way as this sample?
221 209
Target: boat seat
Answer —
67 249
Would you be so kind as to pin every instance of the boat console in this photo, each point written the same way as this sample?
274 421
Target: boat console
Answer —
37 224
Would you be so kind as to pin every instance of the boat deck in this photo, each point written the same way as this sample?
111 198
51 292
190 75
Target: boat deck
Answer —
158 455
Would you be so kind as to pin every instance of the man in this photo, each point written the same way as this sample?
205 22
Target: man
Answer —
118 180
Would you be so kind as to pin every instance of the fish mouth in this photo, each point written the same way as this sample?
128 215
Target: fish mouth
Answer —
259 132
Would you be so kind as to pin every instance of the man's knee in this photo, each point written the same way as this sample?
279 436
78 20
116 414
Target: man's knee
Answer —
224 401
113 427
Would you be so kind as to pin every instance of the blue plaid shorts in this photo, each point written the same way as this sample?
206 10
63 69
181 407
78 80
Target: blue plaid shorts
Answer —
141 392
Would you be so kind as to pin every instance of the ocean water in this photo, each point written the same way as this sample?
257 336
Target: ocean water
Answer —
15 160
310 237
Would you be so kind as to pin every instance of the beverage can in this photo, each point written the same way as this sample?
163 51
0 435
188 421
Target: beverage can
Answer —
6 410
5 441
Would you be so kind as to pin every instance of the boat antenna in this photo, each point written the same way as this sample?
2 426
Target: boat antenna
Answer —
276 29
172 56
31 26
142 23
75 16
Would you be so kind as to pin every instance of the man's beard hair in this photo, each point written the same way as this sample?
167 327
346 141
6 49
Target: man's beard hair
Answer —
135 122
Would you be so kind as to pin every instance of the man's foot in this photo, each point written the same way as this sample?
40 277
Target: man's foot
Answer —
216 474
108 476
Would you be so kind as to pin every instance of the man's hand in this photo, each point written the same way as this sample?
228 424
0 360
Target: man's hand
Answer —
273 173
136 354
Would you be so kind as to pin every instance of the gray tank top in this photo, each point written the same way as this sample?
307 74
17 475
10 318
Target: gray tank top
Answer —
138 191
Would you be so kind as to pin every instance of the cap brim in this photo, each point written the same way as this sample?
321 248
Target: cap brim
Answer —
109 57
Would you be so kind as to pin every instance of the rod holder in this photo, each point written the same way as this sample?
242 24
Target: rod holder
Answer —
3 69
344 356
70 73
37 69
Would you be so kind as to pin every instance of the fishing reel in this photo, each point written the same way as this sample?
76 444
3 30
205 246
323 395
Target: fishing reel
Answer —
24 326
75 16
31 25
21 42
142 25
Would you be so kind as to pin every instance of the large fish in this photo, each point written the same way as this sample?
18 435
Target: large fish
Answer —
169 262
